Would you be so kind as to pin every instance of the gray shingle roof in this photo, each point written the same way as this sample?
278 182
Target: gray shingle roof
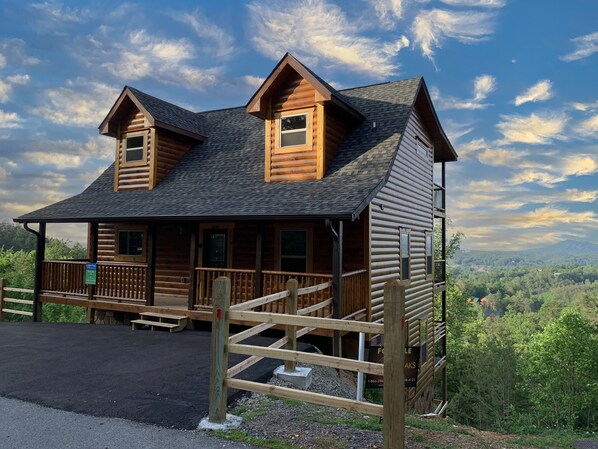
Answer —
170 114
224 176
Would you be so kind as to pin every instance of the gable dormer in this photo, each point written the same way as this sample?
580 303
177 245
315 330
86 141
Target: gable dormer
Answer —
305 120
151 137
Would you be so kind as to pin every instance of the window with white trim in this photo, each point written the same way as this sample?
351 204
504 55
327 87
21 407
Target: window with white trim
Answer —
429 254
134 148
405 254
293 130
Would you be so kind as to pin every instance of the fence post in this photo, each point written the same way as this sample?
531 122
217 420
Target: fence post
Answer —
394 361
291 330
1 299
219 365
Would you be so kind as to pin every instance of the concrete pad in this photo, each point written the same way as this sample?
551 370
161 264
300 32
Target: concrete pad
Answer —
301 377
231 422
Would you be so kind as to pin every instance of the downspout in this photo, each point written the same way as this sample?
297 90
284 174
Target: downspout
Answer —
337 280
40 252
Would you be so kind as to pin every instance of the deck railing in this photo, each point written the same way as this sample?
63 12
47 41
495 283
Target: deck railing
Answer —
355 293
64 276
122 282
439 198
242 285
440 272
275 281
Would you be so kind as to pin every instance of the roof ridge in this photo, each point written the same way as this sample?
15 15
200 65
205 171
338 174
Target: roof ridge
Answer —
134 89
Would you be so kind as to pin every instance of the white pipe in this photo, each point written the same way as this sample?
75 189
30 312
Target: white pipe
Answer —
361 356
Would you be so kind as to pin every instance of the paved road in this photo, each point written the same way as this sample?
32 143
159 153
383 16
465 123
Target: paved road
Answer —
110 371
30 426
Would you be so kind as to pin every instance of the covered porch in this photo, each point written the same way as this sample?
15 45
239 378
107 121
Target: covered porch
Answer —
177 264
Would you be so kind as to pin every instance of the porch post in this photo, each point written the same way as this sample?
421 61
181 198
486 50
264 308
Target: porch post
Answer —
93 257
151 265
40 253
192 265
258 260
337 281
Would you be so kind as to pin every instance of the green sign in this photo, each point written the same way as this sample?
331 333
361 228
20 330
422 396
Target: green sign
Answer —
91 272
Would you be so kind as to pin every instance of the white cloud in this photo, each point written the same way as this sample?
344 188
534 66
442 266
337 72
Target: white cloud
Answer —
253 81
220 42
388 11
57 12
563 168
21 80
540 91
547 216
7 84
455 130
10 120
432 27
500 157
533 129
3 174
483 3
5 91
483 85
579 165
584 107
77 104
580 196
13 51
72 154
471 147
585 46
147 56
2 61
588 127
315 30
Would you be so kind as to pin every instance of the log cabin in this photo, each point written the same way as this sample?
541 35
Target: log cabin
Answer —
303 182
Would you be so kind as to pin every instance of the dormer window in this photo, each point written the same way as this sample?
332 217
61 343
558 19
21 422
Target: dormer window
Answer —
292 131
134 148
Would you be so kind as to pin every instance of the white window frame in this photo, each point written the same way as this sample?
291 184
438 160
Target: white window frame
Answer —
405 253
142 148
278 148
429 255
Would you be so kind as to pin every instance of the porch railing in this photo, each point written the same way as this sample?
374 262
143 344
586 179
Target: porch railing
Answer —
122 282
439 198
64 276
242 285
355 293
275 281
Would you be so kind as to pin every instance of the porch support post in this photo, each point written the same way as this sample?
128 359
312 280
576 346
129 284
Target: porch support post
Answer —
151 265
93 257
40 252
258 260
192 265
337 280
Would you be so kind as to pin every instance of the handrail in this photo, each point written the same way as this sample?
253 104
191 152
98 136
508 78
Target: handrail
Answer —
5 299
226 270
260 301
354 273
293 273
314 288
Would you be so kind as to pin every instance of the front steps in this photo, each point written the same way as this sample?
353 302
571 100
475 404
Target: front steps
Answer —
174 323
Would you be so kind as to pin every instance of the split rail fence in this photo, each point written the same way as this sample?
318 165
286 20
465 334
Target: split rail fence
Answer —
298 323
4 300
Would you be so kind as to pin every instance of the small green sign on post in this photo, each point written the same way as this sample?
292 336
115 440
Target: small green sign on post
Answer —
91 271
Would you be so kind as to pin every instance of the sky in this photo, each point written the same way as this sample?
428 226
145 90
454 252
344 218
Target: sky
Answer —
514 82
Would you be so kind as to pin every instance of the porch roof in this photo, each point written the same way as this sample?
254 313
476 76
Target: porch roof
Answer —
223 177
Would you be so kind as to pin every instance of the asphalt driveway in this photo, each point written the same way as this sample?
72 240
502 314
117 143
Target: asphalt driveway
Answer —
110 371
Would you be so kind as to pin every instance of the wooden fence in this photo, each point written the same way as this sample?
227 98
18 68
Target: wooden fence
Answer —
297 324
5 299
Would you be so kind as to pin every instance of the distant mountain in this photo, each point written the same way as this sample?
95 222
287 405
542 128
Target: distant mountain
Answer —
567 252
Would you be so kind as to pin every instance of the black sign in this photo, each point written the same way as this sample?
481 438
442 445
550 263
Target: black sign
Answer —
411 366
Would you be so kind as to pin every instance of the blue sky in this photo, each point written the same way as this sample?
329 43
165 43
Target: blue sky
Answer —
514 83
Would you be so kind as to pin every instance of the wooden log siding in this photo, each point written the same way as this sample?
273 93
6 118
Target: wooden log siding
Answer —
275 281
64 276
335 131
242 285
169 151
172 260
106 242
405 201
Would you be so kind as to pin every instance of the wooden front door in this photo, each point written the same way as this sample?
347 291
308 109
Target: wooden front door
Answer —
215 248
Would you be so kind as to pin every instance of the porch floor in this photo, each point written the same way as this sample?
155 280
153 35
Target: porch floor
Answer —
152 377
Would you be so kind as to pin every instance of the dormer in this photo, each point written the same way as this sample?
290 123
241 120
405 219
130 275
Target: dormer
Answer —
151 137
305 120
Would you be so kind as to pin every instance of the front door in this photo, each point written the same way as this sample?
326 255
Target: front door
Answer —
215 246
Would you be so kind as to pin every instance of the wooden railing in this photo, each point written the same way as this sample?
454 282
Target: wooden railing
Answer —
242 285
440 272
64 276
355 293
275 281
121 282
298 324
439 330
439 198
21 302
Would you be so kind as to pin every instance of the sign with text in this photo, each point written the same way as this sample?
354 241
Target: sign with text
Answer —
411 366
91 272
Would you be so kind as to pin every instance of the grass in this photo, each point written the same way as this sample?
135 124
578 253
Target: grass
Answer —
266 443
357 421
550 439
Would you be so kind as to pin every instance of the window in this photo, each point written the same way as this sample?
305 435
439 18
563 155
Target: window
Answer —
405 254
293 250
429 255
130 244
293 130
423 340
134 148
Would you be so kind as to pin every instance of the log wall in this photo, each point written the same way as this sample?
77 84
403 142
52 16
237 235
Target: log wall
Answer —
135 176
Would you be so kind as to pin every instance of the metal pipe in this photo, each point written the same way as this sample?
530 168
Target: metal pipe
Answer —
361 357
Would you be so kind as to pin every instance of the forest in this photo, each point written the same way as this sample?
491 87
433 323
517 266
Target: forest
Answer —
522 340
